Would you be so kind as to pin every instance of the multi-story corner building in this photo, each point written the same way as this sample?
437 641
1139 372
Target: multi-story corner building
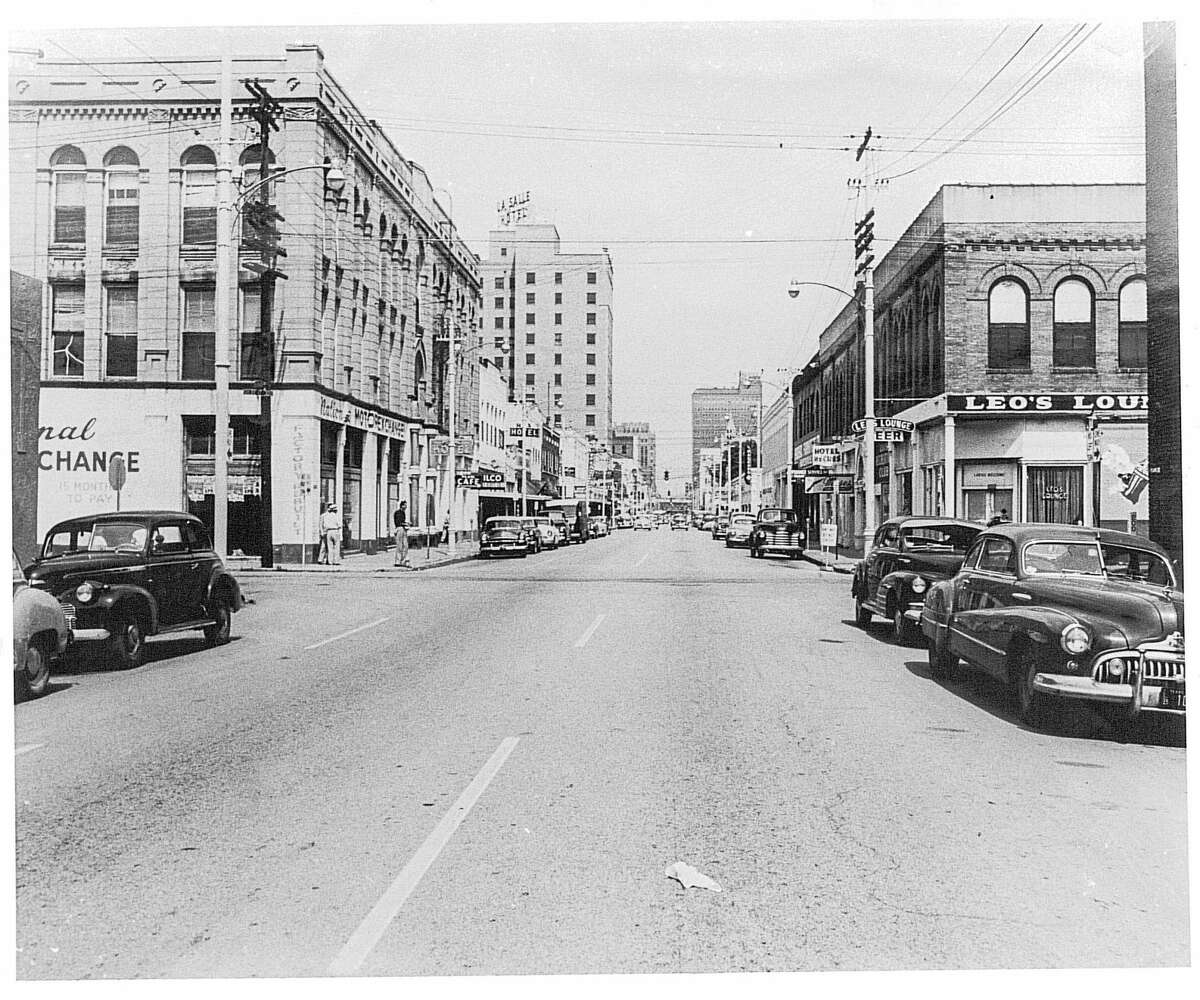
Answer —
636 442
554 313
1010 365
713 409
114 206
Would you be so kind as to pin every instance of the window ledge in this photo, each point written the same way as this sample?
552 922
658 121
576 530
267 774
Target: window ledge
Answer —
1009 371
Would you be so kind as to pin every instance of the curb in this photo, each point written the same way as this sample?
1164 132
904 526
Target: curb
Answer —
845 570
349 570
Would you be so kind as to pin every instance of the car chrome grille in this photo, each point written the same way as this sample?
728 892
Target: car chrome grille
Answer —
68 613
1153 666
1161 667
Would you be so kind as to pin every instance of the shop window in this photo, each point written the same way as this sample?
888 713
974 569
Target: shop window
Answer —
199 332
1131 324
199 196
121 330
1074 325
70 183
67 330
121 196
1008 326
1054 494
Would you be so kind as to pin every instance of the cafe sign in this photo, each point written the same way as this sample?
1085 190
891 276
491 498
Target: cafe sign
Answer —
467 481
1048 402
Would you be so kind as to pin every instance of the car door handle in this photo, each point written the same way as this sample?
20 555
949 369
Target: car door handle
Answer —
195 565
1023 597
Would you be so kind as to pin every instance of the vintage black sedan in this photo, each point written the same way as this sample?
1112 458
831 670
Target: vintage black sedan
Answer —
1057 611
777 529
504 536
128 575
908 555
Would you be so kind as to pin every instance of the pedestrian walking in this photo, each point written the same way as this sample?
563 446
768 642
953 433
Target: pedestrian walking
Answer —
331 532
322 548
400 525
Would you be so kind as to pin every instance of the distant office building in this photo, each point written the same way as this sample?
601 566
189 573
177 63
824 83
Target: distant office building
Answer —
712 409
635 442
553 313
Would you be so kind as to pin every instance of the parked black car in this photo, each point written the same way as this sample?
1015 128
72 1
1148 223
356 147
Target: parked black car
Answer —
1058 611
909 554
134 574
777 529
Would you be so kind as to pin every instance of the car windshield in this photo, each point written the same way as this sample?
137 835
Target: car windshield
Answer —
938 537
1122 562
106 536
500 523
777 516
1082 558
743 519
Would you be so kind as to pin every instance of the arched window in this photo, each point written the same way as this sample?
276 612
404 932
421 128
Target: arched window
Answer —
121 198
70 183
419 375
1074 325
1131 324
1008 326
199 196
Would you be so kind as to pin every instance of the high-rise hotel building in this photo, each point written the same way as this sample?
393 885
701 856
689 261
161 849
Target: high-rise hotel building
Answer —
548 319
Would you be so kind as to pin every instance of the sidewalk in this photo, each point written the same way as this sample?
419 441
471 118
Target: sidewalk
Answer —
359 563
843 563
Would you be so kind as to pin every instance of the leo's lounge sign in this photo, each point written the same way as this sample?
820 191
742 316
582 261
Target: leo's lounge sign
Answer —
1047 402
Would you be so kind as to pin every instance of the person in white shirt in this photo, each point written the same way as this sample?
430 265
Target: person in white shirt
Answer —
331 533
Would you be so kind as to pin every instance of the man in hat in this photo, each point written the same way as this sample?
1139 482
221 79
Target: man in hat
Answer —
400 525
331 531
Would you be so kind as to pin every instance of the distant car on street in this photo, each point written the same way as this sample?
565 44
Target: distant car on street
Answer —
643 522
707 522
532 535
598 527
548 534
133 574
1059 611
559 520
737 535
503 536
624 521
777 529
679 522
41 632
908 555
720 526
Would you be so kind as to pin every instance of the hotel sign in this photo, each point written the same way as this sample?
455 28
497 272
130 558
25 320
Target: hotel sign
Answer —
1047 402
826 455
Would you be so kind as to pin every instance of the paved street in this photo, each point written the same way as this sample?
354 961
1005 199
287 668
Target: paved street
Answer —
488 767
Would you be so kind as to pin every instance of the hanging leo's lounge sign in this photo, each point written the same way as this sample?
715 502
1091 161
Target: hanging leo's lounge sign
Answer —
1047 402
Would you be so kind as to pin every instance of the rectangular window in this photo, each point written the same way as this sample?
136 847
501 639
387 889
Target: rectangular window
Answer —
121 331
591 277
1131 344
199 332
591 338
558 298
590 420
558 277
558 338
591 359
529 319
499 361
1054 493
498 323
499 283
529 378
530 277
591 298
121 209
499 301
199 207
67 325
590 400
591 379
558 420
558 319
530 338
591 319
69 221
558 378
249 325
530 359
558 399
558 359
530 298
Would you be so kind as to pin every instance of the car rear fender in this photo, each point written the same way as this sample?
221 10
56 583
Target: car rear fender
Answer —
35 612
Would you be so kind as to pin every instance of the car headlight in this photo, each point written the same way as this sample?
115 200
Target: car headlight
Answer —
919 585
84 593
1075 640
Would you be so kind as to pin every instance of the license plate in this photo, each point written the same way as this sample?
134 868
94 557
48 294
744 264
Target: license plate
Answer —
1172 697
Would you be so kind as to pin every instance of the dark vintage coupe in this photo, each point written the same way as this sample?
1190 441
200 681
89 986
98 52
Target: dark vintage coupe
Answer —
1058 611
908 555
125 576
777 529
504 536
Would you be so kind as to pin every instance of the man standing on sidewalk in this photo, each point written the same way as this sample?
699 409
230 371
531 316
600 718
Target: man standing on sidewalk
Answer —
400 524
331 530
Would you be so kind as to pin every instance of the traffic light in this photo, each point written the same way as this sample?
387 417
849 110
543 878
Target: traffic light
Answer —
666 475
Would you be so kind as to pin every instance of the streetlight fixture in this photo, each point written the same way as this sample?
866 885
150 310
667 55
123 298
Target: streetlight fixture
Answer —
868 303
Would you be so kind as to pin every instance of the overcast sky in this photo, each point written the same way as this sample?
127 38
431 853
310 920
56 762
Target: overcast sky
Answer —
711 158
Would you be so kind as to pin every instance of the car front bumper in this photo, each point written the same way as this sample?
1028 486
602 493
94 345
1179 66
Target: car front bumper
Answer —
1136 697
1148 679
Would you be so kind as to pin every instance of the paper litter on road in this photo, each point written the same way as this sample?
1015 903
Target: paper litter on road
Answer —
690 878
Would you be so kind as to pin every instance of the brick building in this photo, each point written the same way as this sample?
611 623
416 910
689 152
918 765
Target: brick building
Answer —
1010 361
113 205
554 313
714 408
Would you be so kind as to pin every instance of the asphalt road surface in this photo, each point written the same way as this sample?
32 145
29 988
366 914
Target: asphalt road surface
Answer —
489 767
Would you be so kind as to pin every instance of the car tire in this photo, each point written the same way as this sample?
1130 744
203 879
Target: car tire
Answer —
127 645
903 631
34 676
217 634
862 617
942 662
1029 704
